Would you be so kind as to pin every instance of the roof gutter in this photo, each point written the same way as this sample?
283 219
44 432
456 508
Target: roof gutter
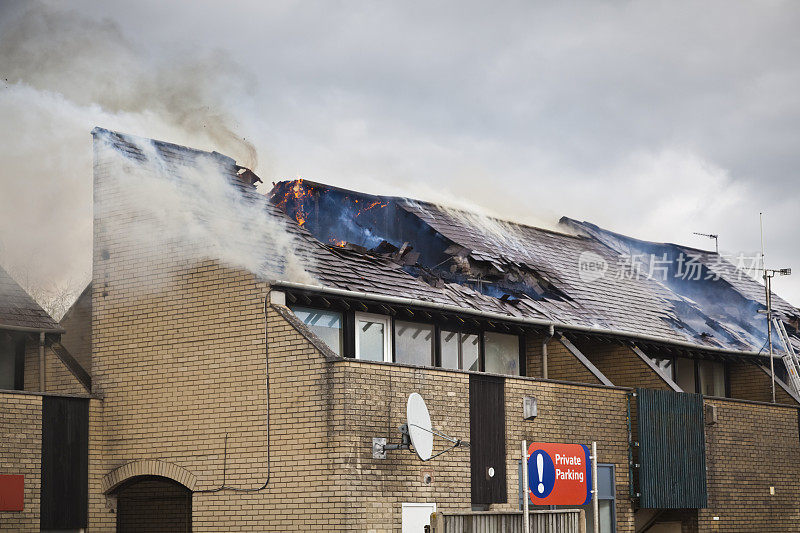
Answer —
27 329
499 316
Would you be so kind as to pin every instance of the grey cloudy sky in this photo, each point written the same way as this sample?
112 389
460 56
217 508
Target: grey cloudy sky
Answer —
654 119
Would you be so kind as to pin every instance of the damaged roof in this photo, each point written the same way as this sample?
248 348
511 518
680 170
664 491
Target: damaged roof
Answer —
450 258
428 252
19 311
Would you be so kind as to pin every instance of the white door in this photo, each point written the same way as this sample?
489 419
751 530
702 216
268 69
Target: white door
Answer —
416 516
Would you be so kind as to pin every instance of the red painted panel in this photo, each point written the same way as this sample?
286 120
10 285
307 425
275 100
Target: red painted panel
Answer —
559 474
12 492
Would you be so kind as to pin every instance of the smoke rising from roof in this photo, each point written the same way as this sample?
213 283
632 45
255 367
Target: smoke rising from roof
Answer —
64 73
186 209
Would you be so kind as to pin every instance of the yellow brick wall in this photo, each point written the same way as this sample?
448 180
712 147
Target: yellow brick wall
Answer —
20 453
58 378
749 382
561 364
749 449
371 400
621 365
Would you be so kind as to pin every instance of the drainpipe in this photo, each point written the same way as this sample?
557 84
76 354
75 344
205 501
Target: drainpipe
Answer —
550 333
41 362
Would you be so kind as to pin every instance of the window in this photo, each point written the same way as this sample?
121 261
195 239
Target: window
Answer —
684 374
413 343
327 325
501 353
12 361
606 504
606 499
699 375
712 378
460 350
373 341
665 365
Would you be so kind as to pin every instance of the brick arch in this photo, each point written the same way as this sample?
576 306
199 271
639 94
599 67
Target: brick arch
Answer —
148 467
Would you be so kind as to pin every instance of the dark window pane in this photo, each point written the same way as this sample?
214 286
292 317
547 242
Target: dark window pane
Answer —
502 353
712 378
684 374
7 361
413 343
327 325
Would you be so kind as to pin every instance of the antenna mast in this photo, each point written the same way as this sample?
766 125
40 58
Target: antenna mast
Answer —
769 273
768 301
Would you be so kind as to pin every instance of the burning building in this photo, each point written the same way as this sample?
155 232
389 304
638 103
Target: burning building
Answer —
247 352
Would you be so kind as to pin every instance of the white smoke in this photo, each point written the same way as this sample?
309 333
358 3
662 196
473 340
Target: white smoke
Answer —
62 74
160 211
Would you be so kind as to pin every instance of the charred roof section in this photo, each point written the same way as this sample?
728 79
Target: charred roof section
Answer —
392 228
487 264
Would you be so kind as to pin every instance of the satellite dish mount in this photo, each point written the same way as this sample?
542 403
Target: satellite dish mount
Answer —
417 432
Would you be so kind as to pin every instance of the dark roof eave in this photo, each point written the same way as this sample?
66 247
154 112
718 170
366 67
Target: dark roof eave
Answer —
28 329
508 318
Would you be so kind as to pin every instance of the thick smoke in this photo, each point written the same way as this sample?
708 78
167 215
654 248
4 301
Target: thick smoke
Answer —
160 210
62 74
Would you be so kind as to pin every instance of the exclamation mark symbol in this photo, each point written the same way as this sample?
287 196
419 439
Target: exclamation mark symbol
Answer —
540 469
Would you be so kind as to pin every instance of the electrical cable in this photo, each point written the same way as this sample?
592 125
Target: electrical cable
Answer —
223 486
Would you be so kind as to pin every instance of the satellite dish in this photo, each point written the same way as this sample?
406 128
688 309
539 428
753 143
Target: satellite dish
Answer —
417 432
419 426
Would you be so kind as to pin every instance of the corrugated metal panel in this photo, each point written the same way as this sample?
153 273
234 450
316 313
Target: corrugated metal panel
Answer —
672 450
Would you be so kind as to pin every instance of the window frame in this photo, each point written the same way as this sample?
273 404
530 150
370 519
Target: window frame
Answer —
696 366
388 334
478 333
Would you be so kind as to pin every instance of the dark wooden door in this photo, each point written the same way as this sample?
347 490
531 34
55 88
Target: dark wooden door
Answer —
65 463
487 432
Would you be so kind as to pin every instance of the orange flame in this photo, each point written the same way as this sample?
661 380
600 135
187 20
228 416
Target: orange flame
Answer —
298 192
337 242
374 204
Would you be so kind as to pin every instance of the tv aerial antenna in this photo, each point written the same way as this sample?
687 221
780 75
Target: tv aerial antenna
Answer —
710 236
418 432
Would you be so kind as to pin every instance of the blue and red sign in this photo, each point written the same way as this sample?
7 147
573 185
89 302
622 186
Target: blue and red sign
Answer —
559 474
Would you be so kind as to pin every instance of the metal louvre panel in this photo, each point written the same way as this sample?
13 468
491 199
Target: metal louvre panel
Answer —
672 455
559 521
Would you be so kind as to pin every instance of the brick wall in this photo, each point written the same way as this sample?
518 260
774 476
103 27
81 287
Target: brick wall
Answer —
750 382
561 364
371 399
749 449
621 365
58 378
20 453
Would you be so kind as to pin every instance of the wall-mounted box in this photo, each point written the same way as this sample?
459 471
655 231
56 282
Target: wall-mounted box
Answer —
12 492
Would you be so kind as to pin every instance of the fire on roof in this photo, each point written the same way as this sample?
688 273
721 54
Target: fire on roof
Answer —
527 271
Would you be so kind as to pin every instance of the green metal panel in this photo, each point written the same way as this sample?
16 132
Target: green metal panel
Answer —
672 452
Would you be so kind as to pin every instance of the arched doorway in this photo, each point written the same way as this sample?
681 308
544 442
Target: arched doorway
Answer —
153 504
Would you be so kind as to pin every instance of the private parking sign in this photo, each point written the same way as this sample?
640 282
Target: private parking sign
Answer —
559 474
